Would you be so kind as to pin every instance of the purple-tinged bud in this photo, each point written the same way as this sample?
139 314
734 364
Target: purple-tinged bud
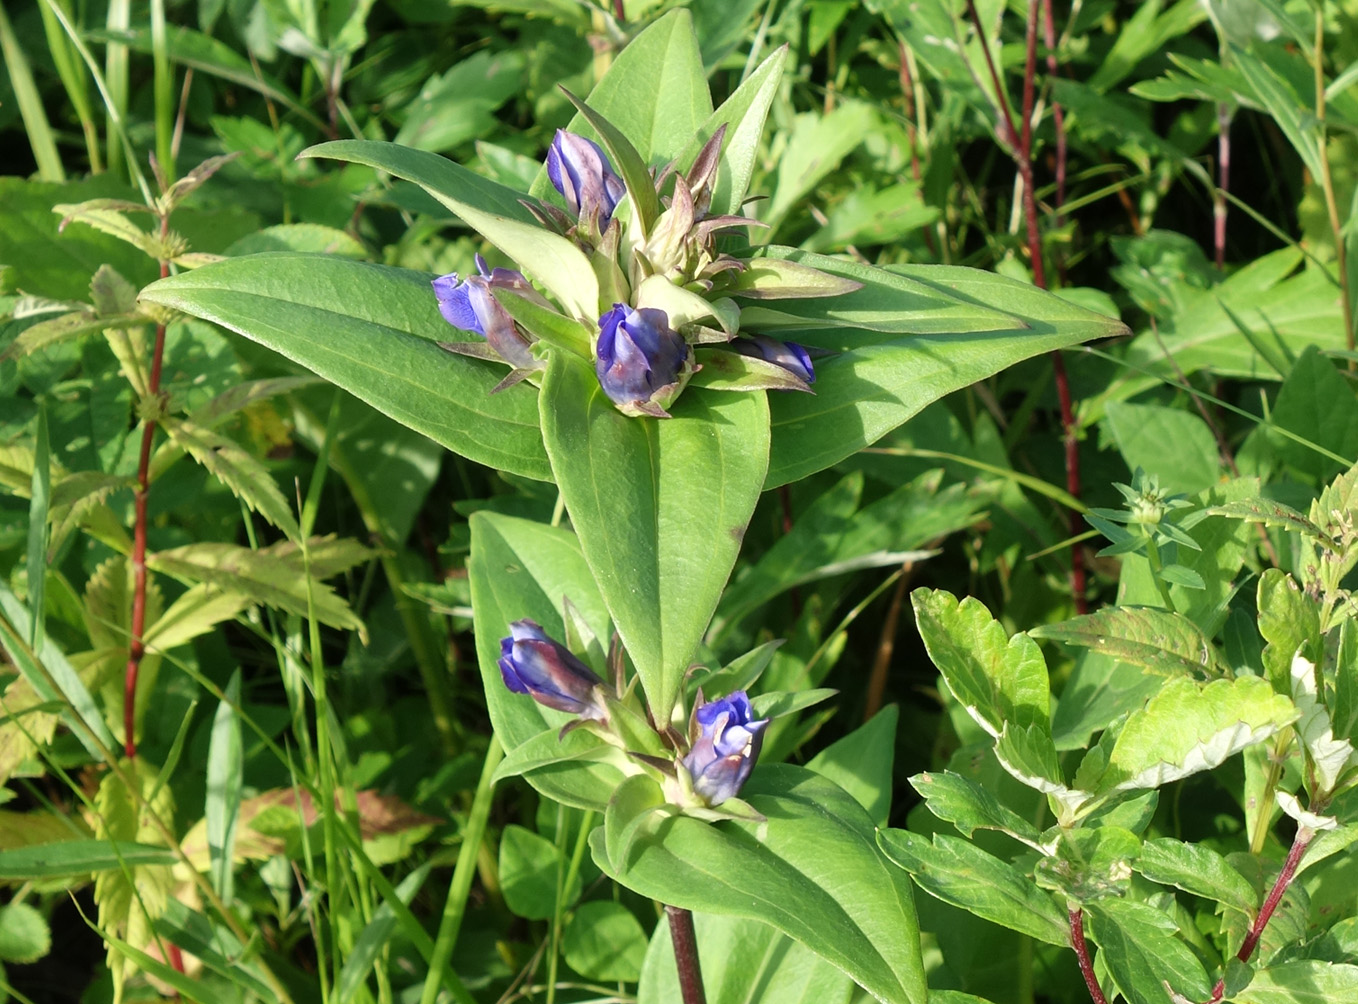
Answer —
642 362
726 748
534 664
580 171
789 355
469 305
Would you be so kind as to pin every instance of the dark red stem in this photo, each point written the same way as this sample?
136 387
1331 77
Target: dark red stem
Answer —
1077 942
686 955
136 647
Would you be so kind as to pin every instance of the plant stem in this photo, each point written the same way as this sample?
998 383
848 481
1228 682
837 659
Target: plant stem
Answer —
1224 116
686 955
1275 895
1327 182
136 647
1077 942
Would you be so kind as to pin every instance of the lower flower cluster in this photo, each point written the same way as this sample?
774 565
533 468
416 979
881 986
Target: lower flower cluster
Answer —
706 768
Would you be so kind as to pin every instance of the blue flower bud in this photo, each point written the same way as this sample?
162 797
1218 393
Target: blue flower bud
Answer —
469 305
642 362
580 171
789 355
726 748
532 663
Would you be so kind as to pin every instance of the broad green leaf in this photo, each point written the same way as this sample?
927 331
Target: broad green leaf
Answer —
655 92
24 935
371 330
1187 728
1144 434
997 679
459 105
1138 945
861 763
523 569
817 838
1197 869
813 147
970 807
1305 981
912 335
197 611
1327 758
1344 700
529 867
1291 111
275 576
78 857
1028 753
660 506
958 872
604 941
743 961
1161 642
1316 405
1289 621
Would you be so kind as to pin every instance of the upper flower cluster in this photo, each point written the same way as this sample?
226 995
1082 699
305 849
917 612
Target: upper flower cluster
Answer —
667 292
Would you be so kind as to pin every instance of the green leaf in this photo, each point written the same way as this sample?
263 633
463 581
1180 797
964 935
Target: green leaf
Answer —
861 763
629 163
76 857
912 335
24 935
219 949
548 748
1268 512
1305 981
1137 944
225 778
275 576
1187 728
1161 642
744 961
743 114
970 807
1292 112
1197 869
1316 405
660 506
604 941
529 867
371 330
817 838
523 569
997 680
1289 621
958 872
1170 443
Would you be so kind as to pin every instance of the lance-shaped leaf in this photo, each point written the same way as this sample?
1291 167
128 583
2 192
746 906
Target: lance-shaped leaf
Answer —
1138 945
373 331
1159 641
958 872
812 871
1197 869
970 807
1187 728
1304 981
523 569
661 507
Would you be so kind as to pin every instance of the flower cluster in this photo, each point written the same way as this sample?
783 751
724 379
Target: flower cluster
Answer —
724 736
667 292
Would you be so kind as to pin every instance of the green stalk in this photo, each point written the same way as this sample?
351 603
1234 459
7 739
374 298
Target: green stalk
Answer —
39 130
455 907
1327 182
1153 556
164 91
115 73
74 79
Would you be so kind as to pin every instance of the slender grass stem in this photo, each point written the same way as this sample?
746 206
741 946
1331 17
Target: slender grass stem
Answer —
1327 182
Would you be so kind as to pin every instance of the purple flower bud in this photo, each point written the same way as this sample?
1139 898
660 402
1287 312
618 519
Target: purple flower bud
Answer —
640 359
469 305
580 171
789 355
532 663
726 749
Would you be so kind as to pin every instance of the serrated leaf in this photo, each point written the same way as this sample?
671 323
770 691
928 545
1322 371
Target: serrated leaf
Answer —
1289 621
1305 981
1159 641
1270 513
1327 757
233 466
1187 728
59 329
196 612
24 935
970 807
111 293
1196 869
958 872
273 576
1137 944
112 222
997 679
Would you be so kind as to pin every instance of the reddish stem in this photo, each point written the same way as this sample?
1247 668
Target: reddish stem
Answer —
136 646
1077 942
686 955
1059 122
